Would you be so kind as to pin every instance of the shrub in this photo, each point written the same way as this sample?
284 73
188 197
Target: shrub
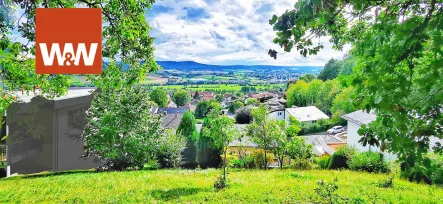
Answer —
327 192
388 183
237 163
369 161
234 106
169 152
430 170
243 115
322 162
220 183
341 157
249 161
302 164
259 156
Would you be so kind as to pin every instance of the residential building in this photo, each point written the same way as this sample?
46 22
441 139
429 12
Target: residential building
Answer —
308 114
45 134
355 120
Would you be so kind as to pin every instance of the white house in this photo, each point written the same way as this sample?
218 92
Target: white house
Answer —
355 121
358 118
308 114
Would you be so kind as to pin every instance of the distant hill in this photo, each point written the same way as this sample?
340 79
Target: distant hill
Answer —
191 65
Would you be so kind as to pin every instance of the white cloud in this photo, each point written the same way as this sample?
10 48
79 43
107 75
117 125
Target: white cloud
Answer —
224 32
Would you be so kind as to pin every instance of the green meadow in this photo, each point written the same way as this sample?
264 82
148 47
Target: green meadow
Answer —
184 186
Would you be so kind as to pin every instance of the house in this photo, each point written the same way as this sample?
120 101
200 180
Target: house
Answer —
308 114
227 97
355 120
44 134
324 144
171 117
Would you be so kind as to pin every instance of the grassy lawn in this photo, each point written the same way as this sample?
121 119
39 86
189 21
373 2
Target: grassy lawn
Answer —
247 186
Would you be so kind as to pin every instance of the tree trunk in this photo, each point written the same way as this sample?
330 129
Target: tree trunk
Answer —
224 167
281 163
266 161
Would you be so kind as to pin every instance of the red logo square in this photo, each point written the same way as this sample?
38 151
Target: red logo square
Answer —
68 41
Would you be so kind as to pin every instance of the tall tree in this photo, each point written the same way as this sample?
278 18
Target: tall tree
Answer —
307 77
187 129
261 130
397 48
181 97
121 131
223 131
331 69
159 96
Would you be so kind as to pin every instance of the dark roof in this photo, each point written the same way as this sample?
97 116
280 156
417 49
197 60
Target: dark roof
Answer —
171 120
171 110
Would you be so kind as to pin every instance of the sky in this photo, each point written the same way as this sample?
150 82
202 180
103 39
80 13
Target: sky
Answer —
225 32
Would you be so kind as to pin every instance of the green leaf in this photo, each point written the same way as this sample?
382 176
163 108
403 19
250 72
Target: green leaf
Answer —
273 19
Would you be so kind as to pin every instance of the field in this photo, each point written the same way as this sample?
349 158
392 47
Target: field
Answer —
214 87
150 79
174 186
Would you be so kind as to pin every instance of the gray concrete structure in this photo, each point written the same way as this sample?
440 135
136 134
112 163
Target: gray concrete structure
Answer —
44 134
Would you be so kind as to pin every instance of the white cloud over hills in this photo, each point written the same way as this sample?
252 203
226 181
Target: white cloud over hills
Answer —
224 32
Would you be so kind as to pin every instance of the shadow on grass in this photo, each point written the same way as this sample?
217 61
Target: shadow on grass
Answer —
175 193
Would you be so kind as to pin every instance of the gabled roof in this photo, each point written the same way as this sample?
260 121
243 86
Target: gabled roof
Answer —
360 117
171 120
309 113
171 110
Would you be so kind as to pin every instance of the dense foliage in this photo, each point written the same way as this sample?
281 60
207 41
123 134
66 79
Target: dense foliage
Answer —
320 94
331 70
170 149
121 131
234 106
187 129
160 97
243 115
204 107
181 97
396 48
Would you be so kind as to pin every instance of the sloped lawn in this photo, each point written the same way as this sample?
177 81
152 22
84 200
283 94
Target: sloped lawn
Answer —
247 186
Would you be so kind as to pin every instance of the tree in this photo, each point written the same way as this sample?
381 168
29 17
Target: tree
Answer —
208 155
170 149
300 151
234 106
307 77
160 97
396 46
343 101
252 101
223 131
296 94
243 115
189 131
181 97
331 70
204 107
280 140
196 95
121 131
261 130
